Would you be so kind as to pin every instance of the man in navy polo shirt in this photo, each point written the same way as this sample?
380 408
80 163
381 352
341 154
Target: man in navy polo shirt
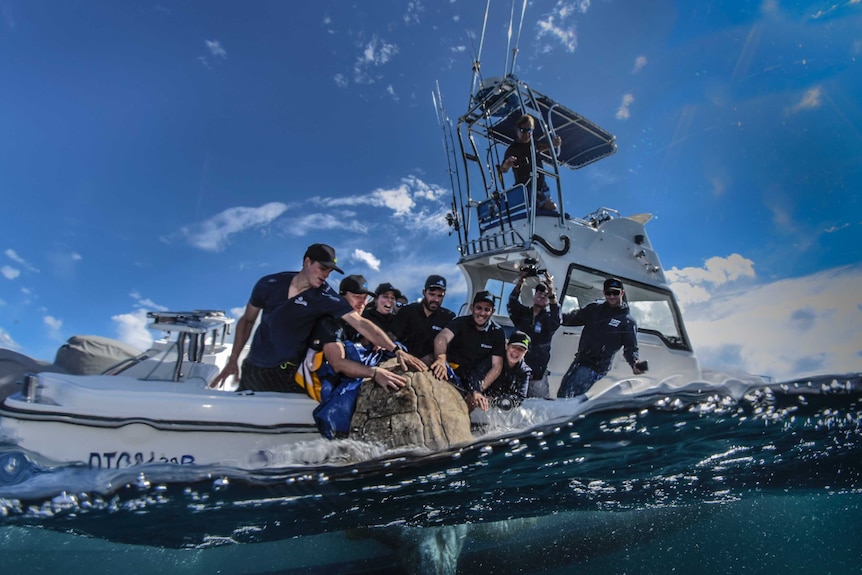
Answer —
466 342
607 328
417 324
291 302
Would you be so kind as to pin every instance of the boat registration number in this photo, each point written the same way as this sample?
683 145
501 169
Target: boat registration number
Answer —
123 459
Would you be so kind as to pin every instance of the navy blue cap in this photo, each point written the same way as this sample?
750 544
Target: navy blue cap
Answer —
435 281
323 254
483 296
354 284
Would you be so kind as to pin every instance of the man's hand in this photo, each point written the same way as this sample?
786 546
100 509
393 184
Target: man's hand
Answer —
231 369
476 399
389 381
409 361
438 368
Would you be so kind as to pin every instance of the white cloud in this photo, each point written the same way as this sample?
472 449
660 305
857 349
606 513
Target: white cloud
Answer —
6 340
374 54
391 91
131 328
811 100
367 258
9 272
785 329
690 284
414 8
416 204
213 234
623 112
340 80
555 26
76 257
13 255
146 303
216 49
314 223
640 62
53 323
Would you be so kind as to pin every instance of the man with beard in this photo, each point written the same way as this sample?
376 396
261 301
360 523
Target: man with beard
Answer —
417 324
463 346
290 303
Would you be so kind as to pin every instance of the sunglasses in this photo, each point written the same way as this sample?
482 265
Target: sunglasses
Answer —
525 130
400 304
613 292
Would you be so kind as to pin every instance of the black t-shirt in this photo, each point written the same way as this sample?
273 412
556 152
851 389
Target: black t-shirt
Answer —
286 323
471 346
416 331
381 320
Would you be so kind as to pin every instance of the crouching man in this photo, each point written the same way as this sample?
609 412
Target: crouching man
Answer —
509 389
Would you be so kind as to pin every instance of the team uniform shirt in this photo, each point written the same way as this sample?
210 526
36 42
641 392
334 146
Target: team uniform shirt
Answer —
540 328
512 381
606 330
470 346
416 331
381 320
286 323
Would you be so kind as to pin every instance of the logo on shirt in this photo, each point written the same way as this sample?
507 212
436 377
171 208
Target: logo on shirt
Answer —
614 322
486 346
436 328
330 294
300 301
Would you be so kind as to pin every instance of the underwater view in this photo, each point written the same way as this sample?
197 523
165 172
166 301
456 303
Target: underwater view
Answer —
717 483
167 155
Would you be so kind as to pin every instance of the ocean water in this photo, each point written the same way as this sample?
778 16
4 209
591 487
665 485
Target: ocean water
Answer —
765 480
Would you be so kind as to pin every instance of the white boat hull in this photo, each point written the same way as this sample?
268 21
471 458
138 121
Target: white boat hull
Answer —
108 422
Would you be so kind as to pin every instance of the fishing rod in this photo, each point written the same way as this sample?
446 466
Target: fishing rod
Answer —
449 147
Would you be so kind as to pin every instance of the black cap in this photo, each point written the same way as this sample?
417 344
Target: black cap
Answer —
385 287
434 281
613 283
519 338
354 284
324 255
483 296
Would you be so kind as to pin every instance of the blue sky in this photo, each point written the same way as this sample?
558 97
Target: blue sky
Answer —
165 155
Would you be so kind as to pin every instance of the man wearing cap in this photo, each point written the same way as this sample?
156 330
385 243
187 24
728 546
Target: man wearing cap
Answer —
541 321
417 324
289 304
514 379
607 327
348 360
383 311
464 344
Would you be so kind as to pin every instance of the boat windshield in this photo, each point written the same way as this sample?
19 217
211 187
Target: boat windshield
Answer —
654 309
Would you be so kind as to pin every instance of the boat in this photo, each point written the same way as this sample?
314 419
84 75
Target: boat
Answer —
156 407
500 233
159 408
